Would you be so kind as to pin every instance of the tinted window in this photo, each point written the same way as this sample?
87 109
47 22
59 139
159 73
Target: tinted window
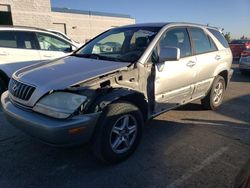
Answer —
16 39
52 43
202 43
177 38
219 37
8 39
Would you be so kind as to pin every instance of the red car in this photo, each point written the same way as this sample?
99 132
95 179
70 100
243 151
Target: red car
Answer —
238 46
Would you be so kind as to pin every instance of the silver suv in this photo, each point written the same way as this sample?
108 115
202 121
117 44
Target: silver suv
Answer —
108 89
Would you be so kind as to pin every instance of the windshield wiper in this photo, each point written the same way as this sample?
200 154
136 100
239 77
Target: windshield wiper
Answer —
97 56
92 56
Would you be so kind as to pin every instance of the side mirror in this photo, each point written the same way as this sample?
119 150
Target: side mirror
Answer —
73 48
70 49
168 53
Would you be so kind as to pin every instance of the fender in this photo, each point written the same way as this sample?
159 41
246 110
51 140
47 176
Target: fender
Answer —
220 68
224 72
108 97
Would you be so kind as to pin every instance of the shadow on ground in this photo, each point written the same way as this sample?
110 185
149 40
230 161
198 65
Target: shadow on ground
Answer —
34 164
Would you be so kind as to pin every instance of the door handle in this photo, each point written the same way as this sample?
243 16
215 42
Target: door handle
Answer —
4 53
191 63
217 57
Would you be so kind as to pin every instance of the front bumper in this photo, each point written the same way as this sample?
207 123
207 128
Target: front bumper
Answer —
75 130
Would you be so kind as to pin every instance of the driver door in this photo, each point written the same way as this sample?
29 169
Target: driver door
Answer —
174 80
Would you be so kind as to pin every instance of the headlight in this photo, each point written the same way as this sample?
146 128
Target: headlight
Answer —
59 104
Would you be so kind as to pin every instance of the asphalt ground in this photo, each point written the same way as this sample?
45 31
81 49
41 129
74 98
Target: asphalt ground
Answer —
186 147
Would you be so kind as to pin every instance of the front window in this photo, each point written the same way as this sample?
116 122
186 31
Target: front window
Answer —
178 38
51 43
120 44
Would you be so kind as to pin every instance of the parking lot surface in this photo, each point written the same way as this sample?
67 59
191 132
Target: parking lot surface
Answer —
186 147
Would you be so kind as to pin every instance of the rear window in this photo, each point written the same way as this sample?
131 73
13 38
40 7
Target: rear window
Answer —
219 37
8 39
17 39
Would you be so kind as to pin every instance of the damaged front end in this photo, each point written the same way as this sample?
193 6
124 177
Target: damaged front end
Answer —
125 84
70 116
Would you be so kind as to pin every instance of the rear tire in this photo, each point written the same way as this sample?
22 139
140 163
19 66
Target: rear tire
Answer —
111 142
215 96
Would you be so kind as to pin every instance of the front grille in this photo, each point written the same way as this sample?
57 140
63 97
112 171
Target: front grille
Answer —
20 90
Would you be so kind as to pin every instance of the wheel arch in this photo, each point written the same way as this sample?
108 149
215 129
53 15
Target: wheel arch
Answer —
134 97
224 72
5 78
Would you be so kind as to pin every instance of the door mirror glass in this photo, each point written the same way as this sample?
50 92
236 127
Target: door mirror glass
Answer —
167 53
72 49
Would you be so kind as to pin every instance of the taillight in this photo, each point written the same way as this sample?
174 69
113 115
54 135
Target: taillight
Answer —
247 45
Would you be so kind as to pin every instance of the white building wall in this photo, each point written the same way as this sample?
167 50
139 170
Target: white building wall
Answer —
84 27
35 13
80 27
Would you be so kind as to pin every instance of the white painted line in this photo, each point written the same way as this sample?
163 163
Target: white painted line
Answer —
221 125
198 168
229 165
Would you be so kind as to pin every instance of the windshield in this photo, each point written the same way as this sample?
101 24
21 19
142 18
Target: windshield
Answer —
119 44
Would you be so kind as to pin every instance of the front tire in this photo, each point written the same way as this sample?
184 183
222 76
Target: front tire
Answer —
216 94
118 133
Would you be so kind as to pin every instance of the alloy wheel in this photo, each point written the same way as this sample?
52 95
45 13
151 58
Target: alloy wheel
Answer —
123 134
218 93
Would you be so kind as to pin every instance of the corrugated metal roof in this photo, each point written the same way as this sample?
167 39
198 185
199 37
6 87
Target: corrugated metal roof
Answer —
94 13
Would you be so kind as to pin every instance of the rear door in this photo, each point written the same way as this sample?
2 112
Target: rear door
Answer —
17 46
208 58
52 47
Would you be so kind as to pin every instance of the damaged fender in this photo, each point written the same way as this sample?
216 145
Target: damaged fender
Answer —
124 94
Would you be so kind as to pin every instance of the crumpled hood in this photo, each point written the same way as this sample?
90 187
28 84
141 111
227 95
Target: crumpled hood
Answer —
64 72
